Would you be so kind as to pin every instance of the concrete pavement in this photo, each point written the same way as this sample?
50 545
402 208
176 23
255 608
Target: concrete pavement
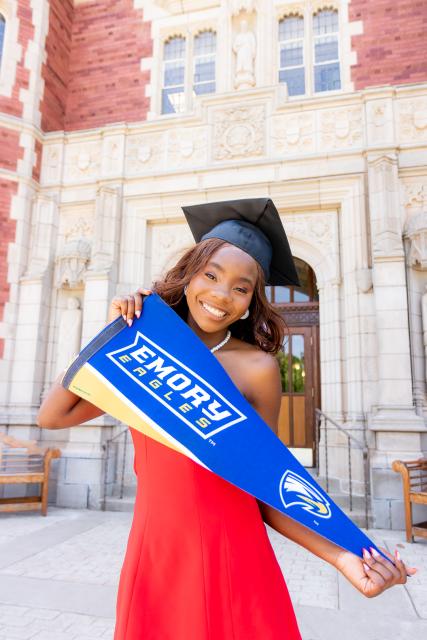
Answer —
58 581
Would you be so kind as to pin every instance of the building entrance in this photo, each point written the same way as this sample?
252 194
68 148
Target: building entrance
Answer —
299 362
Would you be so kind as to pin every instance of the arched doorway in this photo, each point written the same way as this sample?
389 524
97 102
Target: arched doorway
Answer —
299 361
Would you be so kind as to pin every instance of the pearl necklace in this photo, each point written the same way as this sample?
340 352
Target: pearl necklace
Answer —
221 344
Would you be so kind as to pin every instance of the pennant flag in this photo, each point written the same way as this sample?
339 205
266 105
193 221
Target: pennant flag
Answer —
159 378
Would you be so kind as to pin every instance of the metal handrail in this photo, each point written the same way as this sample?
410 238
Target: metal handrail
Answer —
324 419
107 448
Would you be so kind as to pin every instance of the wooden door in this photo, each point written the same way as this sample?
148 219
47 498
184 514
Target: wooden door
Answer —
298 367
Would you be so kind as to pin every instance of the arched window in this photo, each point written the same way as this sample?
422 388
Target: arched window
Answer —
2 30
173 92
204 62
291 54
307 292
326 51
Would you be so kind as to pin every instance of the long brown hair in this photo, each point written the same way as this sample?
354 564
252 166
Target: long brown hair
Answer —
264 327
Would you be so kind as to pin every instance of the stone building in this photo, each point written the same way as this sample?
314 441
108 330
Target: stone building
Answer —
114 113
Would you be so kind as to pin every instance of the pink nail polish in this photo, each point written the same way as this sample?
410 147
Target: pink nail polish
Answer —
374 552
365 566
129 323
137 313
398 555
366 554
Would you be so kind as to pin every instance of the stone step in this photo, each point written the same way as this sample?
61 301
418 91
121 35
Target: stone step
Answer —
125 504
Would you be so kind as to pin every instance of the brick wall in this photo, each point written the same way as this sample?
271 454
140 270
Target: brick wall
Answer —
13 105
392 48
106 84
55 70
11 151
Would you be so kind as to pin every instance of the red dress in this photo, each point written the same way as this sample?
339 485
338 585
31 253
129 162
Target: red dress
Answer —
199 564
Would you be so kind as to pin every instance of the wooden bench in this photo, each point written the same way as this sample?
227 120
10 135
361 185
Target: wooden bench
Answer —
414 476
25 463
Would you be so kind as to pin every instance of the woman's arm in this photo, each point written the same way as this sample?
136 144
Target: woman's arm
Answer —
370 576
62 408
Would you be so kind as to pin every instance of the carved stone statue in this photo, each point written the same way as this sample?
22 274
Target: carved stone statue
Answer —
72 263
244 46
69 336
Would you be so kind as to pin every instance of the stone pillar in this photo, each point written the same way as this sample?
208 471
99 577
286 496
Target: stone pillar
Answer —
80 482
399 431
34 306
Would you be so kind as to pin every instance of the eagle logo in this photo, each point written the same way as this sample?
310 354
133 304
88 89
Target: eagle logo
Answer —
295 490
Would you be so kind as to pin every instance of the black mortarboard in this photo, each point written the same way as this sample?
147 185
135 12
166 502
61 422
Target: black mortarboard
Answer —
253 225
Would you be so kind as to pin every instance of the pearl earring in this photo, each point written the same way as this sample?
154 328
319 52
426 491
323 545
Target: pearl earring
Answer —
245 315
185 289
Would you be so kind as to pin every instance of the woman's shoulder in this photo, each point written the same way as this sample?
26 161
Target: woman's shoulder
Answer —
253 357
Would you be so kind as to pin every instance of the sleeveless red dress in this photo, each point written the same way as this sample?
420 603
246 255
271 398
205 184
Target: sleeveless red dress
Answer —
199 564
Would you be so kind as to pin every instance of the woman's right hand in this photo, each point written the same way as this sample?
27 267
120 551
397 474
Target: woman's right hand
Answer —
128 306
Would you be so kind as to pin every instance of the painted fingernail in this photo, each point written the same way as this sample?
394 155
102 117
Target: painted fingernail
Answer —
137 313
130 323
374 552
365 566
366 554
397 555
124 317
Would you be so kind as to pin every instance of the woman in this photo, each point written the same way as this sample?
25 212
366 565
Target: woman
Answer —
199 565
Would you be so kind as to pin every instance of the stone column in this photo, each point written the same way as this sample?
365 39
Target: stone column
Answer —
399 431
33 313
80 482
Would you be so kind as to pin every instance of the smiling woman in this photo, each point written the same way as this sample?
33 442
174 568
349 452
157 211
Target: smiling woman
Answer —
199 564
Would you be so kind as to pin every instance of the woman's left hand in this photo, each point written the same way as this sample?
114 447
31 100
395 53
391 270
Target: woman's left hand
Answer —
373 574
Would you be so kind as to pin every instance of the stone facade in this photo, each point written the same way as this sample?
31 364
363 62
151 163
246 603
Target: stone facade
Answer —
93 177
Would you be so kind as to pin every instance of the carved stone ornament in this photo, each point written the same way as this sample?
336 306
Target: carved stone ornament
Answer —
239 132
144 152
416 197
244 46
293 133
341 128
413 119
72 263
238 6
416 231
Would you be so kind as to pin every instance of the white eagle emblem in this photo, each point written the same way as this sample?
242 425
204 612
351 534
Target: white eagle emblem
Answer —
295 490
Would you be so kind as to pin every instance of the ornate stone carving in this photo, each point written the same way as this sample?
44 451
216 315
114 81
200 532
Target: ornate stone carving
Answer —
416 197
238 6
167 241
72 262
83 161
379 121
79 229
244 46
293 133
416 231
320 229
239 132
51 164
341 128
413 119
187 147
384 212
144 152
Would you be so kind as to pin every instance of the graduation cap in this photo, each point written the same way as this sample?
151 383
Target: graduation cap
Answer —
253 225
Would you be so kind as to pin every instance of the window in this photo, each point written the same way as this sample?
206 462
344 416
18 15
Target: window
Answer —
181 55
2 30
291 52
326 58
204 63
307 292
173 93
309 52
